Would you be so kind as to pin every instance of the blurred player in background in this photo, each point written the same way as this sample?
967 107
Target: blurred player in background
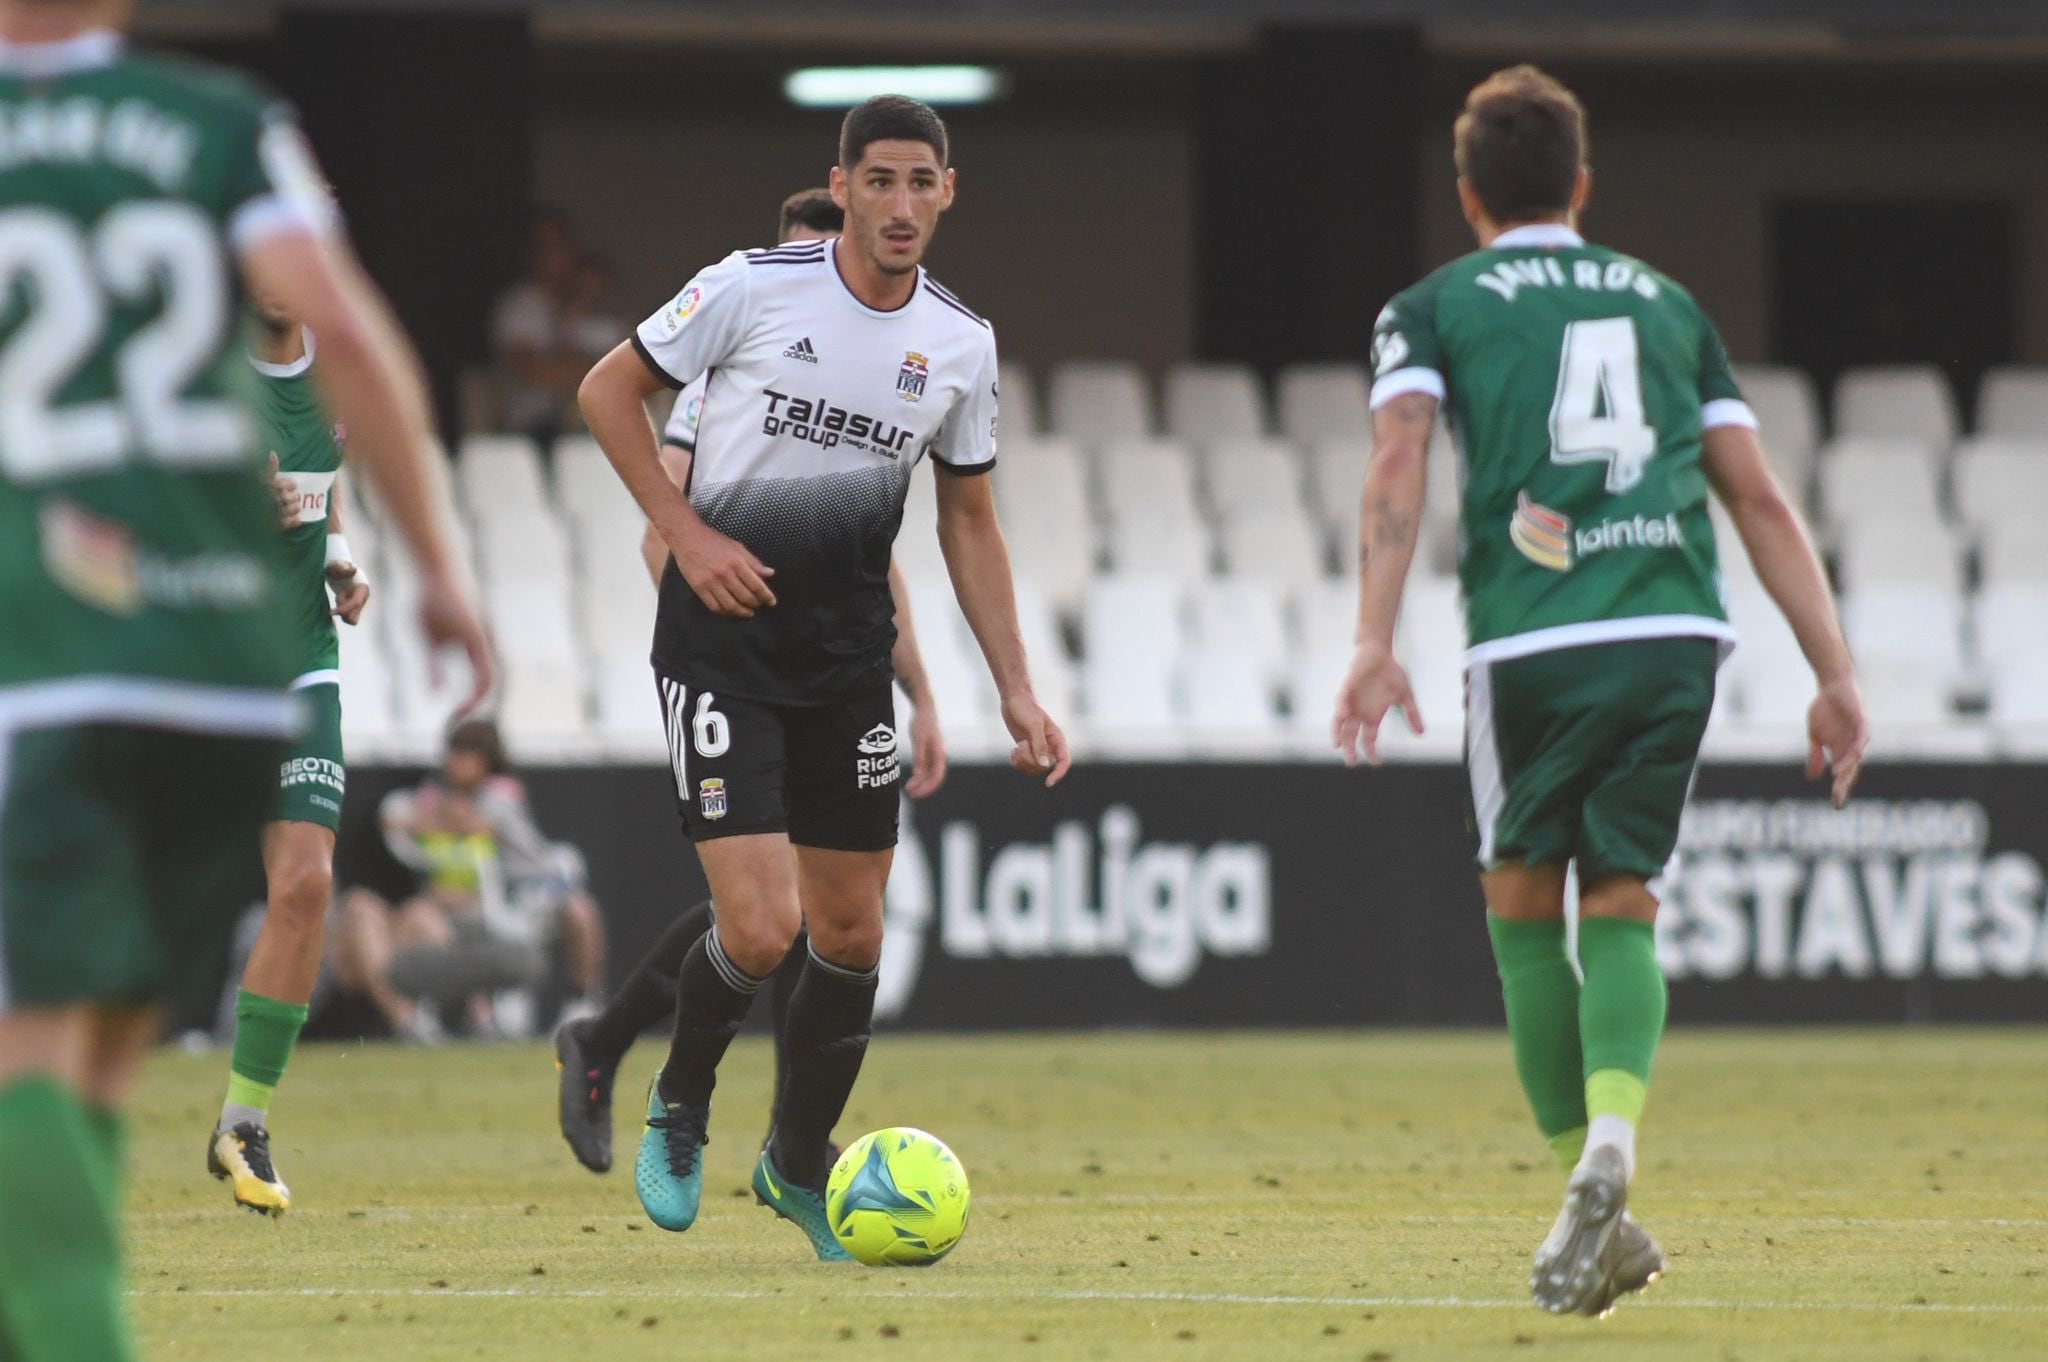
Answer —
143 707
588 1051
298 843
836 366
1595 406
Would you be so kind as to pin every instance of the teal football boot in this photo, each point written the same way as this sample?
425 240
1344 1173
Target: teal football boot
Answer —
801 1207
669 1172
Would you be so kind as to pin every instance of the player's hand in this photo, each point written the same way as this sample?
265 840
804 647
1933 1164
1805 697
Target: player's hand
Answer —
927 752
351 592
286 490
1041 748
449 619
1836 734
1375 684
726 576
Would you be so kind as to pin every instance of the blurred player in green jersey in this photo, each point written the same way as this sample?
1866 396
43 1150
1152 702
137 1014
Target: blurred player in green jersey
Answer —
143 701
1594 408
298 843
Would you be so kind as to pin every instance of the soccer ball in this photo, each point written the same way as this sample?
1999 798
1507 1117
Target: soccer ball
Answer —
897 1198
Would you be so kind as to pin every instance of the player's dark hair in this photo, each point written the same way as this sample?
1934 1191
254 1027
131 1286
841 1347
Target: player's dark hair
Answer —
481 737
1520 144
811 208
889 118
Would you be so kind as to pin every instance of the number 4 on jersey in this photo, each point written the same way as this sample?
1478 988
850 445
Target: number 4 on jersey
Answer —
1597 415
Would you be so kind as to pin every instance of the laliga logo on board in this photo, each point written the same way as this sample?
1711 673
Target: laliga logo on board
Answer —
1161 905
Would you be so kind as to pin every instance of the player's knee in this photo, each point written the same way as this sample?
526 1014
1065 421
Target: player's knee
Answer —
757 941
301 885
854 943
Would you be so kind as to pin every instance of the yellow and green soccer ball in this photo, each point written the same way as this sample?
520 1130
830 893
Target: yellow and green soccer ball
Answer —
897 1198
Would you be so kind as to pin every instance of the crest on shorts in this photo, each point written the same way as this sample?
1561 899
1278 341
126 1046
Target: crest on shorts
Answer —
1544 536
881 738
711 798
910 379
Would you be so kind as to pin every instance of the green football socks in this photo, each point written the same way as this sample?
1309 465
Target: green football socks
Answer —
60 1261
265 1032
1621 1018
1543 1006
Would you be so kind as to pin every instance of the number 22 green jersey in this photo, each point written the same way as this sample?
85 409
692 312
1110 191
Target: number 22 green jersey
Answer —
138 542
1578 383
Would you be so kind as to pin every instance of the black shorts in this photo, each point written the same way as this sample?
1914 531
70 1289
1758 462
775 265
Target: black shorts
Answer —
825 774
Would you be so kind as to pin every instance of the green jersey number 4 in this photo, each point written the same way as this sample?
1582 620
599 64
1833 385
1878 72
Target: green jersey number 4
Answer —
139 250
1597 415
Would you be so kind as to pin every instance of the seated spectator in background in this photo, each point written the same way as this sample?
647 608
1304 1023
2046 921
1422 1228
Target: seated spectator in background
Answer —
549 328
496 895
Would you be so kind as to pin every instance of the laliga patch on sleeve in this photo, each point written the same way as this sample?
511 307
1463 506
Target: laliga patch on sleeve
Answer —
679 311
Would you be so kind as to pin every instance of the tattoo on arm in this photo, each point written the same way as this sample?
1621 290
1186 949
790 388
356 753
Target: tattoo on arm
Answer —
1406 420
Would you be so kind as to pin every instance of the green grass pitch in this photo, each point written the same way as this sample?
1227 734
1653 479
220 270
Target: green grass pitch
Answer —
1822 1195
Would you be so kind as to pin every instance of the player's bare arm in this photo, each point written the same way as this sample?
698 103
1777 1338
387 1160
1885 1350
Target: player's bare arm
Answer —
351 587
978 561
927 743
373 382
286 489
726 576
1390 512
1791 572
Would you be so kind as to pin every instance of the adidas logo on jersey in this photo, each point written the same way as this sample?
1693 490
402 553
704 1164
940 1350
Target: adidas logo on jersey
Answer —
802 350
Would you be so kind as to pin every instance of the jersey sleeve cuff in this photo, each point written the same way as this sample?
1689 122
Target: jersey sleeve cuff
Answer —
654 365
1726 411
965 470
1401 382
273 215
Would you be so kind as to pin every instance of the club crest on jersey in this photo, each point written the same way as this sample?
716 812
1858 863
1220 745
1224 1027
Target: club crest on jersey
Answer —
711 798
1543 535
910 379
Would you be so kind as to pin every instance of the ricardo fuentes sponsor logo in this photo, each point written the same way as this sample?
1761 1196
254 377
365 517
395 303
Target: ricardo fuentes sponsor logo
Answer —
1100 891
1883 889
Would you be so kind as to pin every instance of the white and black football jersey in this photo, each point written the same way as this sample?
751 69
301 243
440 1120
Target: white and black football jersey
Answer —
681 428
816 411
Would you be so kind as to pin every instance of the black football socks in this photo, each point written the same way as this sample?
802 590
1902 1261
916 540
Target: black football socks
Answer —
712 998
830 1017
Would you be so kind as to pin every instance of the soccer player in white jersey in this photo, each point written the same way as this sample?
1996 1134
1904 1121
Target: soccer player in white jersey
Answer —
836 368
588 1050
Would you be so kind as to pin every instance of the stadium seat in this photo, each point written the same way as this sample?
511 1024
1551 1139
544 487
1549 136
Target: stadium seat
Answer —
1767 672
1901 549
1909 629
2012 403
1137 475
1432 624
1312 697
1149 510
2010 626
1016 405
1788 419
916 548
2000 481
1135 616
1131 638
542 709
2018 692
1175 544
1052 671
1860 478
628 716
1207 403
1277 542
1319 403
1324 615
1131 710
1336 479
1242 615
1905 694
1229 703
497 471
1042 498
1098 400
2013 551
369 717
1897 402
1246 473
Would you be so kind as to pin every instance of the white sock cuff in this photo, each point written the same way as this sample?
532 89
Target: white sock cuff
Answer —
857 976
736 979
1616 1133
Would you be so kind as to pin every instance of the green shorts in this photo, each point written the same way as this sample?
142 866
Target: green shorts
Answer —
312 779
126 856
1587 754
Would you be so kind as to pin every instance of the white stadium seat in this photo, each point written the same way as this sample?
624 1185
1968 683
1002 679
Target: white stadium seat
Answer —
1902 549
1324 402
1767 672
1229 703
1098 400
1243 615
2013 403
497 471
2013 551
2010 624
1246 473
1906 629
1206 403
1897 402
916 549
1787 416
1172 541
369 716
2000 480
1862 477
1149 510
1042 498
1016 405
1336 480
1131 635
1324 615
1277 542
1432 624
1140 474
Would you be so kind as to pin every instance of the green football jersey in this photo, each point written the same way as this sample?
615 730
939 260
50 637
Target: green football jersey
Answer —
1578 383
296 428
138 540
